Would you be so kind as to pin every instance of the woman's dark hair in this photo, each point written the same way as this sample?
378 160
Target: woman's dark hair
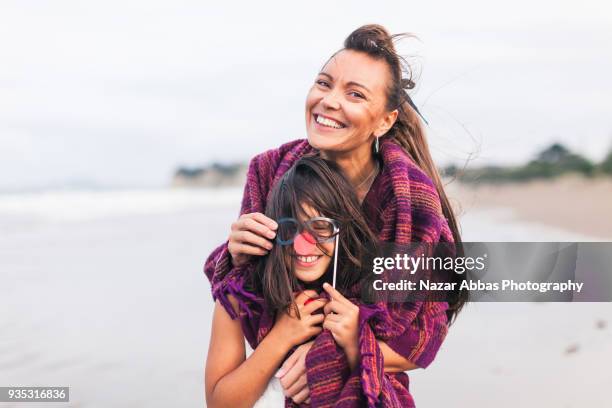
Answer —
408 131
319 184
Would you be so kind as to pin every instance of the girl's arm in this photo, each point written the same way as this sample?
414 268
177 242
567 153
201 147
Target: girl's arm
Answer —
227 370
233 381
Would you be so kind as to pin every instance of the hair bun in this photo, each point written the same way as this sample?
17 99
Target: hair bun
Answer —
372 37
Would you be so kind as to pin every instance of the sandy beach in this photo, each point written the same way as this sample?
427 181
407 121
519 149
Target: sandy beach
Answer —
104 292
572 203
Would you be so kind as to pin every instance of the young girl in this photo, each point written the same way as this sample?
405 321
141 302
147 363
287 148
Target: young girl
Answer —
315 208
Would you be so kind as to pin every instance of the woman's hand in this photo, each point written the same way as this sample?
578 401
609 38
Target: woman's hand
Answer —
294 330
250 235
342 320
292 375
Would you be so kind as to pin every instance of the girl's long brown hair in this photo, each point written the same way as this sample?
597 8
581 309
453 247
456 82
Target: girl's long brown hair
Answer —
320 185
407 131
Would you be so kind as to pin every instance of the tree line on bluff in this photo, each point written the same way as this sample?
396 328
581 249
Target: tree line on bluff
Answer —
551 162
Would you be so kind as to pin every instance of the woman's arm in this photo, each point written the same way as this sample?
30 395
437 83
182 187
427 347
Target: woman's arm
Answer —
293 379
261 174
394 363
227 370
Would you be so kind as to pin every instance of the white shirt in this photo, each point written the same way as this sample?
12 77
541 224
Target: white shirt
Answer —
272 397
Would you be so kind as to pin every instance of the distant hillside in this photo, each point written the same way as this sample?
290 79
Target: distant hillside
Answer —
214 175
549 163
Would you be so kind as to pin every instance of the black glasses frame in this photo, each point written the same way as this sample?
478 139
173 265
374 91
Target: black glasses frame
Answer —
300 226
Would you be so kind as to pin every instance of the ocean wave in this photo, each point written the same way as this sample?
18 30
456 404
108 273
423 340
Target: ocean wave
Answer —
84 205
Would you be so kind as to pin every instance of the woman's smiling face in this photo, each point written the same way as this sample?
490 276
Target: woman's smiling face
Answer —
346 104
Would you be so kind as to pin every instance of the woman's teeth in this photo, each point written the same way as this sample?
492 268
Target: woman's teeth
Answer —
328 122
308 259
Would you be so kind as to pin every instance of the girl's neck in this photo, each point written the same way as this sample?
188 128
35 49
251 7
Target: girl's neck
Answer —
316 286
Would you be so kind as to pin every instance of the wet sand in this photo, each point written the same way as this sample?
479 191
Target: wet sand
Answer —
572 203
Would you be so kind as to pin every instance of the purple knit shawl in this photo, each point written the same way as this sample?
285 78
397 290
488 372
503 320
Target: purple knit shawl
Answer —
407 210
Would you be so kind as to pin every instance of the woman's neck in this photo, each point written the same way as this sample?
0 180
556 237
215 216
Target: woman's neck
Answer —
357 166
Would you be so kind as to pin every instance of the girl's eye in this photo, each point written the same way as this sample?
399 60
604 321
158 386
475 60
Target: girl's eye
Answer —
356 94
322 83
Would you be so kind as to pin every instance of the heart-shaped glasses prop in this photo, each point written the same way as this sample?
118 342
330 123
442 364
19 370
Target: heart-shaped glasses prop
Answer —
306 235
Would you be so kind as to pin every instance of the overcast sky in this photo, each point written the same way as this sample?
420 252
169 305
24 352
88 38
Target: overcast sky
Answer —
119 93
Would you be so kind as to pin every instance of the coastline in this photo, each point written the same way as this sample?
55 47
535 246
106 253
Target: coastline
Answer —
572 203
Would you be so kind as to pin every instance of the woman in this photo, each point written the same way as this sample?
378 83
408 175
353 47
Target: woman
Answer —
358 115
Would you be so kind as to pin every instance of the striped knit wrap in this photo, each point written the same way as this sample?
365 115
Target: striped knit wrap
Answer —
402 206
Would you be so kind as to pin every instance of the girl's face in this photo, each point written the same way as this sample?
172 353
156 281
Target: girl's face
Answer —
308 261
346 105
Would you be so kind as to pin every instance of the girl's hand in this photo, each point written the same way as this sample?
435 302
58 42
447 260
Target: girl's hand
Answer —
293 330
250 235
342 320
292 375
